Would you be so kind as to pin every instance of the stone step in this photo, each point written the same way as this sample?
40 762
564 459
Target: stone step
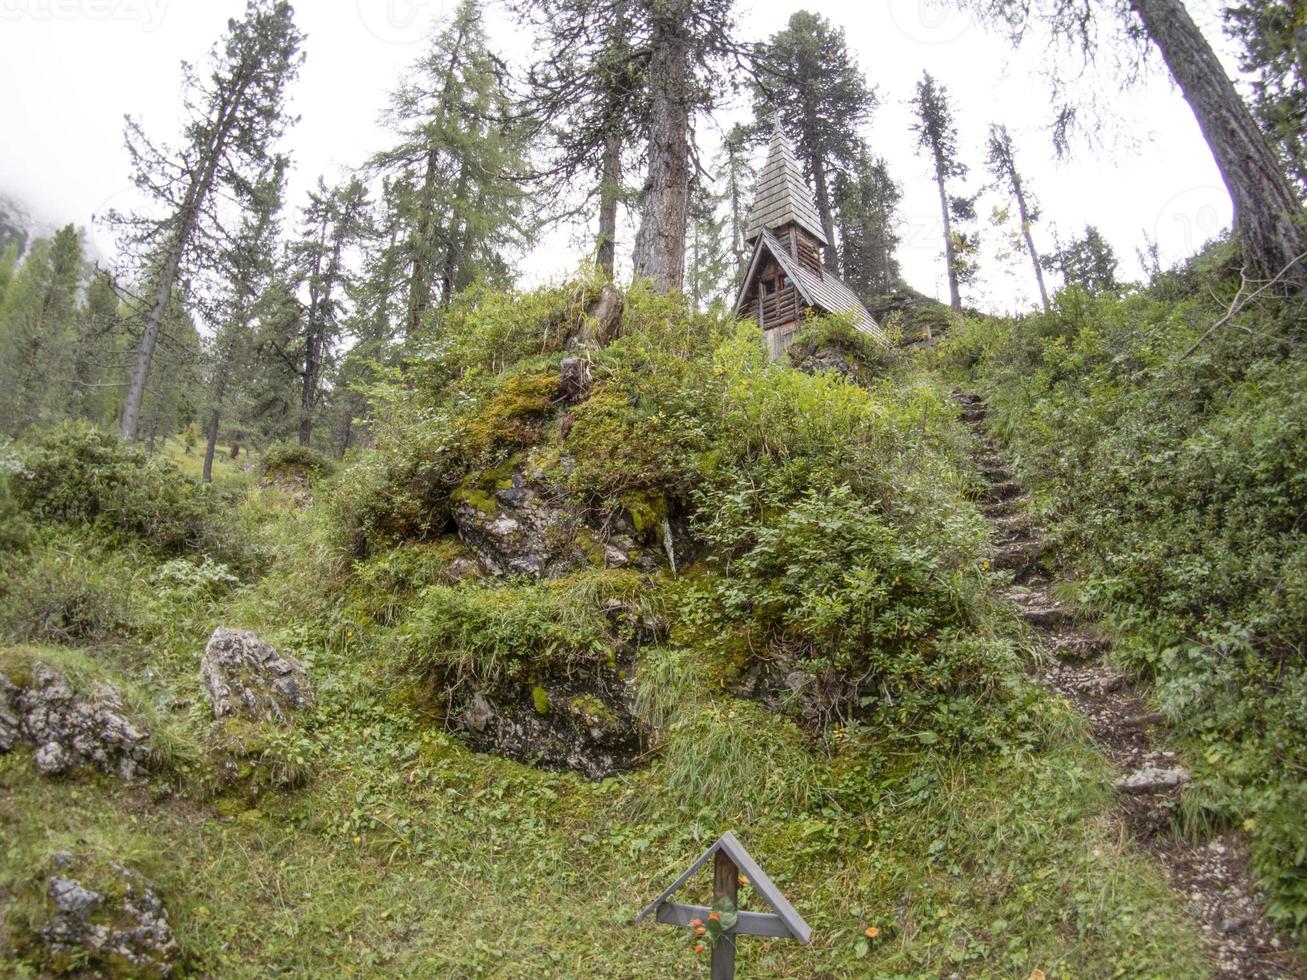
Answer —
1146 720
1003 508
1100 685
1153 779
1040 611
1019 556
1005 490
1078 648
1013 523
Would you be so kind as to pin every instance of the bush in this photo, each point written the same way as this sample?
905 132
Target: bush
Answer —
468 634
1170 469
291 457
76 474
67 594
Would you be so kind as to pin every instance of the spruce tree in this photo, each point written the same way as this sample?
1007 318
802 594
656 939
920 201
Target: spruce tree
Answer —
248 262
1003 165
866 209
234 117
333 220
452 194
937 136
810 82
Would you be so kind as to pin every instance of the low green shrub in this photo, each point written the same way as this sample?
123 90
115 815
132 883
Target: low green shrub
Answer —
291 457
1169 466
78 475
68 593
470 634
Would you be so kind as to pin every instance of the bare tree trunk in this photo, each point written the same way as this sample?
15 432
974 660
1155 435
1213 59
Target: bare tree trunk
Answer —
660 243
1264 204
832 259
950 252
1024 213
215 417
610 180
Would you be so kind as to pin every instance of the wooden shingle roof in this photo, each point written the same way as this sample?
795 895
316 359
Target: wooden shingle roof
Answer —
824 292
783 194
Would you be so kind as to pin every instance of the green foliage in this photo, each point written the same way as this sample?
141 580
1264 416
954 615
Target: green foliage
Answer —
67 594
1170 472
869 358
291 457
78 475
469 634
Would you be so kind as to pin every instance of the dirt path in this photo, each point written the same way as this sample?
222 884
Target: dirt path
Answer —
1212 875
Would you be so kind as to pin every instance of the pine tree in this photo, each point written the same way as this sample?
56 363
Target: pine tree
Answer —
334 219
248 262
686 40
1274 38
710 261
587 94
1267 213
452 197
233 118
810 82
937 136
866 207
1003 165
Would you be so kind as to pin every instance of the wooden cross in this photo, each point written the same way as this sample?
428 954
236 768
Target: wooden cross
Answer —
730 861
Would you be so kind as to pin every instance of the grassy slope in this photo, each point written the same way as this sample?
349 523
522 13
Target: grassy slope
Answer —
404 853
1170 469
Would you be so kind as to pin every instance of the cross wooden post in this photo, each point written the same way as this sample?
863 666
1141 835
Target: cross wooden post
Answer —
730 861
725 884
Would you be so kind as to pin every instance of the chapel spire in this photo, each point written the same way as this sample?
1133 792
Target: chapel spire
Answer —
783 195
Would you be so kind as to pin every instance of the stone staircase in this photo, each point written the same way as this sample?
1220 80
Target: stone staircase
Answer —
1212 875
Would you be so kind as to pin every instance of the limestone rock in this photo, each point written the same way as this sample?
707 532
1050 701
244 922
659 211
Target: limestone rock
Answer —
128 933
590 728
71 730
1153 779
602 322
246 677
812 360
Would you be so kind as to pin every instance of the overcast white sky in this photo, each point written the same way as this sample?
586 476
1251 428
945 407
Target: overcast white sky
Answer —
70 69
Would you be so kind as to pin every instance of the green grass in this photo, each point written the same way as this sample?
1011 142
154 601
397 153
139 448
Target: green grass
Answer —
408 855
965 814
225 469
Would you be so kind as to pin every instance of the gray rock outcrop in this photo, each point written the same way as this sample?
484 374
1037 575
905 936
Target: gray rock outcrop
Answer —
127 933
70 730
247 678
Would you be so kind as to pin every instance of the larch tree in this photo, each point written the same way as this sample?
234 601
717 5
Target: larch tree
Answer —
1003 165
1088 261
234 117
1267 213
937 136
452 188
810 82
587 95
247 261
334 220
866 209
686 40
